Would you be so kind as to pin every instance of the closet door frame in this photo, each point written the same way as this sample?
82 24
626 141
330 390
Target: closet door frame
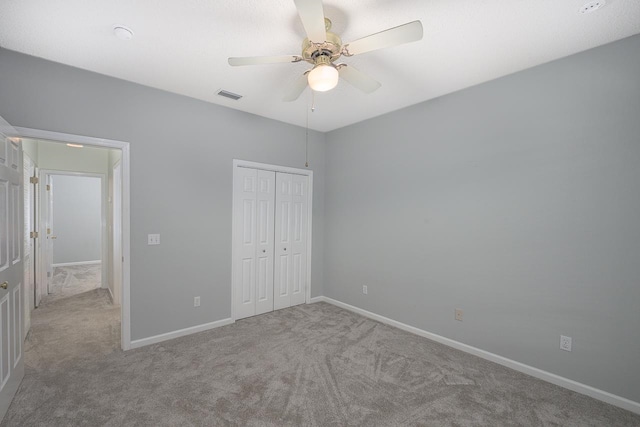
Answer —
234 255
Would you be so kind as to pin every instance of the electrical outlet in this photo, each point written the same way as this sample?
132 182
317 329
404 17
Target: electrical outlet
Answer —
458 314
565 343
365 290
196 301
153 239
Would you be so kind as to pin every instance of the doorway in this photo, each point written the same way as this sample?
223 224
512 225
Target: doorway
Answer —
75 216
122 269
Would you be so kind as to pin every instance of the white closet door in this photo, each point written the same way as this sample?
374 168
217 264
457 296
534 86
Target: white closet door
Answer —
282 274
264 243
245 187
299 239
253 259
290 240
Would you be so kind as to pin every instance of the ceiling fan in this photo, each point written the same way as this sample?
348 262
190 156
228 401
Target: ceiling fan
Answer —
322 48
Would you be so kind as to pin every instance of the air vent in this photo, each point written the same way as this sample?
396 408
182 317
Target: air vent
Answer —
229 95
592 6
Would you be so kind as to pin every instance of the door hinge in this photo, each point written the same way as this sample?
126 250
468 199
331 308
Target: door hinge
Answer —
33 235
48 187
34 180
48 231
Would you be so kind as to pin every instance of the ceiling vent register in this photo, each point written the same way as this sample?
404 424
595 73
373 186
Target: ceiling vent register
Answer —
229 95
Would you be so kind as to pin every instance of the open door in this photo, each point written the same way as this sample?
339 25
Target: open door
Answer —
11 271
30 237
48 238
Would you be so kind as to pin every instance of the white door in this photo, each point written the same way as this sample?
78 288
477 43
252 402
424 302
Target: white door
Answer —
299 239
28 259
46 234
11 272
117 233
290 240
270 240
264 241
253 258
37 253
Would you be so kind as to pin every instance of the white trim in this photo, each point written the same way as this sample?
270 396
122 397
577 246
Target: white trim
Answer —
317 299
111 295
115 233
275 168
602 395
180 333
125 314
69 264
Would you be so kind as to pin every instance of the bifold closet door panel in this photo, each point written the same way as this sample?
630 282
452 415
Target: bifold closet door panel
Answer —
254 195
290 240
282 267
265 210
298 255
245 248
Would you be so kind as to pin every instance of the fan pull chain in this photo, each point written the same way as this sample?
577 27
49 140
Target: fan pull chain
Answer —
313 108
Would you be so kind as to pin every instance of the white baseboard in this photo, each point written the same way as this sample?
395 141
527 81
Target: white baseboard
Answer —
602 395
179 333
69 264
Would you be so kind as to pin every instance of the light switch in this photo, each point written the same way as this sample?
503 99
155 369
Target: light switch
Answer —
153 239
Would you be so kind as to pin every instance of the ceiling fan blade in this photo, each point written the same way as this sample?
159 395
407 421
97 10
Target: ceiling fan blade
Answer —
312 17
406 33
259 60
358 79
296 90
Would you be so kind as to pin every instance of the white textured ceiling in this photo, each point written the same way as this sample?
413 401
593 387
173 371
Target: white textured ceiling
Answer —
183 46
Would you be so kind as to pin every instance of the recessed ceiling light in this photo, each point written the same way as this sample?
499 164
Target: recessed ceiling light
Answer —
122 32
75 145
592 6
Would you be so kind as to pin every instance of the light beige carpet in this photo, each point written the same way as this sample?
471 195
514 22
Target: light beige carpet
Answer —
310 365
74 279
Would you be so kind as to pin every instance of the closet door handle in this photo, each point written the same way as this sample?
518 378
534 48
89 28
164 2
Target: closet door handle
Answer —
285 249
264 250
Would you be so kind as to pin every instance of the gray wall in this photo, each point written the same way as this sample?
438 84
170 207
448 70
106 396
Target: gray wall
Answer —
517 201
77 219
181 178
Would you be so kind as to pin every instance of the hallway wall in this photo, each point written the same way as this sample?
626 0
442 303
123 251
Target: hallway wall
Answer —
77 219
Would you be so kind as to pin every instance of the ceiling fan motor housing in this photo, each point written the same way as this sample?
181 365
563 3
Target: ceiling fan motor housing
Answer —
329 48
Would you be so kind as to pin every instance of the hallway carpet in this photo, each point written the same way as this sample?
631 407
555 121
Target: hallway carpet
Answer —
310 365
74 279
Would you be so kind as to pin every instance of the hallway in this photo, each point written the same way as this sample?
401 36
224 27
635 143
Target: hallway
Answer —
69 338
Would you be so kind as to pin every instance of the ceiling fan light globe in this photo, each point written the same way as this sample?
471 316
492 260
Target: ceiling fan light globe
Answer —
323 78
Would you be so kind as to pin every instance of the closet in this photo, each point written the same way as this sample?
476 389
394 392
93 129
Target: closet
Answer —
270 235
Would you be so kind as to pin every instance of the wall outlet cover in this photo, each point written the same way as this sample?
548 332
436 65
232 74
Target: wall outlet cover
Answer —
458 314
365 290
565 343
153 239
